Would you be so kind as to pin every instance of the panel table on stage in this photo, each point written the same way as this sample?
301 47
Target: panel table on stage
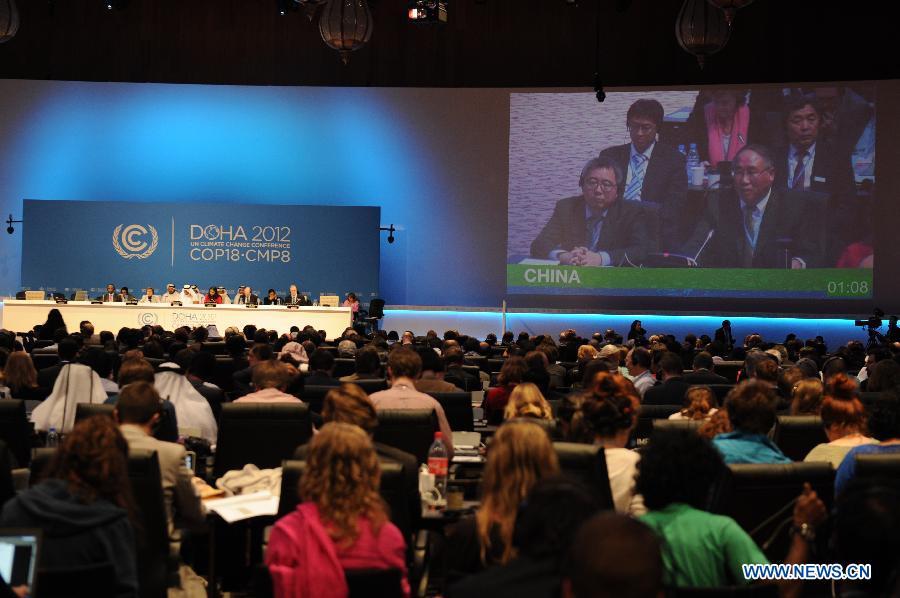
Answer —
21 316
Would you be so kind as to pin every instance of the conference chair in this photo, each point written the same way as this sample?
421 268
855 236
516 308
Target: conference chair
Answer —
796 435
394 490
760 498
371 385
410 430
495 364
225 367
214 347
43 360
86 410
458 409
16 430
260 433
867 398
721 391
878 466
373 314
7 488
587 464
40 464
386 583
646 415
549 426
153 542
314 396
343 367
729 369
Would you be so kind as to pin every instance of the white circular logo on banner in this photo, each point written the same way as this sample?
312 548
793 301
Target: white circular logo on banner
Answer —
131 241
148 318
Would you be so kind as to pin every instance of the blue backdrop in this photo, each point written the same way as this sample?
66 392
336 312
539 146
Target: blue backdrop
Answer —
85 245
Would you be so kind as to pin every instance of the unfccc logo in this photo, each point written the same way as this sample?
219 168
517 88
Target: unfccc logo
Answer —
131 241
148 318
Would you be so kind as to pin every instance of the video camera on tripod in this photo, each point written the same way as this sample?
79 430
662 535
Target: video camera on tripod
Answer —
873 323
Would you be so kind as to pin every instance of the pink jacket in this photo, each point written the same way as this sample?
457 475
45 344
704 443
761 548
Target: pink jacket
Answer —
305 563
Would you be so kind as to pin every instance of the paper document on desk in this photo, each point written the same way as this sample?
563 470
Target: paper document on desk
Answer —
465 440
237 508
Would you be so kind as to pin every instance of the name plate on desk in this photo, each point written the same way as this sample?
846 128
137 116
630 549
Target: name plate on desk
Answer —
96 302
61 301
210 304
292 306
251 305
132 302
176 303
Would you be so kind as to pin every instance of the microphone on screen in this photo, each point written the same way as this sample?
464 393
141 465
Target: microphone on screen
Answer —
709 236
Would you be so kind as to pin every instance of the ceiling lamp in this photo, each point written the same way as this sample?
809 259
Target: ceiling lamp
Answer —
346 26
310 7
9 20
730 7
701 29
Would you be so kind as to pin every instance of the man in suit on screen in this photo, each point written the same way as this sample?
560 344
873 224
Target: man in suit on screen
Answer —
597 228
110 296
654 172
757 225
295 298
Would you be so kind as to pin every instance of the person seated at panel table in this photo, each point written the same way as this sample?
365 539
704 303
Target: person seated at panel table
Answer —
757 225
213 296
171 295
353 303
654 171
149 296
247 297
295 298
126 295
110 296
596 228
226 300
191 294
272 298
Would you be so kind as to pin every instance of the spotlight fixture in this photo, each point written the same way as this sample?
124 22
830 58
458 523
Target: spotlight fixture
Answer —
116 4
427 11
390 230
9 224
598 88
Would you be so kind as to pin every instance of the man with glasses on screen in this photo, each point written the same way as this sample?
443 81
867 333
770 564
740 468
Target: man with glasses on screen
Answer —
654 172
597 228
758 225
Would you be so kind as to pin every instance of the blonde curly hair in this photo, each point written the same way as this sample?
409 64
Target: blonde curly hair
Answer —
342 478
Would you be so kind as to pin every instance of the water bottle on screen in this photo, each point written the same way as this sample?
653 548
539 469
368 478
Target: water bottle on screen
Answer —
693 160
438 466
52 438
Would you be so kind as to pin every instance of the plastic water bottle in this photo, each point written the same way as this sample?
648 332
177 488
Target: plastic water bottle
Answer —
438 465
693 159
52 438
681 150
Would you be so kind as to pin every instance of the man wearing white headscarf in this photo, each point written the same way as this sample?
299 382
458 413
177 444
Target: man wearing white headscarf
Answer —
191 409
76 383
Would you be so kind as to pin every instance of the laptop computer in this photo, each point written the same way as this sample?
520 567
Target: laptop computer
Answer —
35 295
19 557
80 296
329 300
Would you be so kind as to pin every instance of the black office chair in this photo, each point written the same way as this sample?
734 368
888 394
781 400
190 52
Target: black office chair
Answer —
44 360
88 581
153 542
721 391
646 415
86 410
40 465
796 435
729 369
495 364
394 490
263 434
375 313
410 430
753 494
587 464
16 430
878 466
458 409
343 366
677 424
7 490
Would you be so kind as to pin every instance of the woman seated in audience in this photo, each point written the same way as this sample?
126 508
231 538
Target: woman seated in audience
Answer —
511 374
342 523
608 416
20 376
884 426
844 418
806 397
84 506
526 400
699 404
519 456
586 353
717 423
568 415
54 323
538 373
675 476
751 410
883 375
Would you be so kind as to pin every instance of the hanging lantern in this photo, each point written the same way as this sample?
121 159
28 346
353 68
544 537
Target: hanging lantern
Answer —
9 20
730 7
701 29
346 26
310 7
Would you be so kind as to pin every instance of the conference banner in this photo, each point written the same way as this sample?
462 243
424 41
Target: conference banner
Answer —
85 245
